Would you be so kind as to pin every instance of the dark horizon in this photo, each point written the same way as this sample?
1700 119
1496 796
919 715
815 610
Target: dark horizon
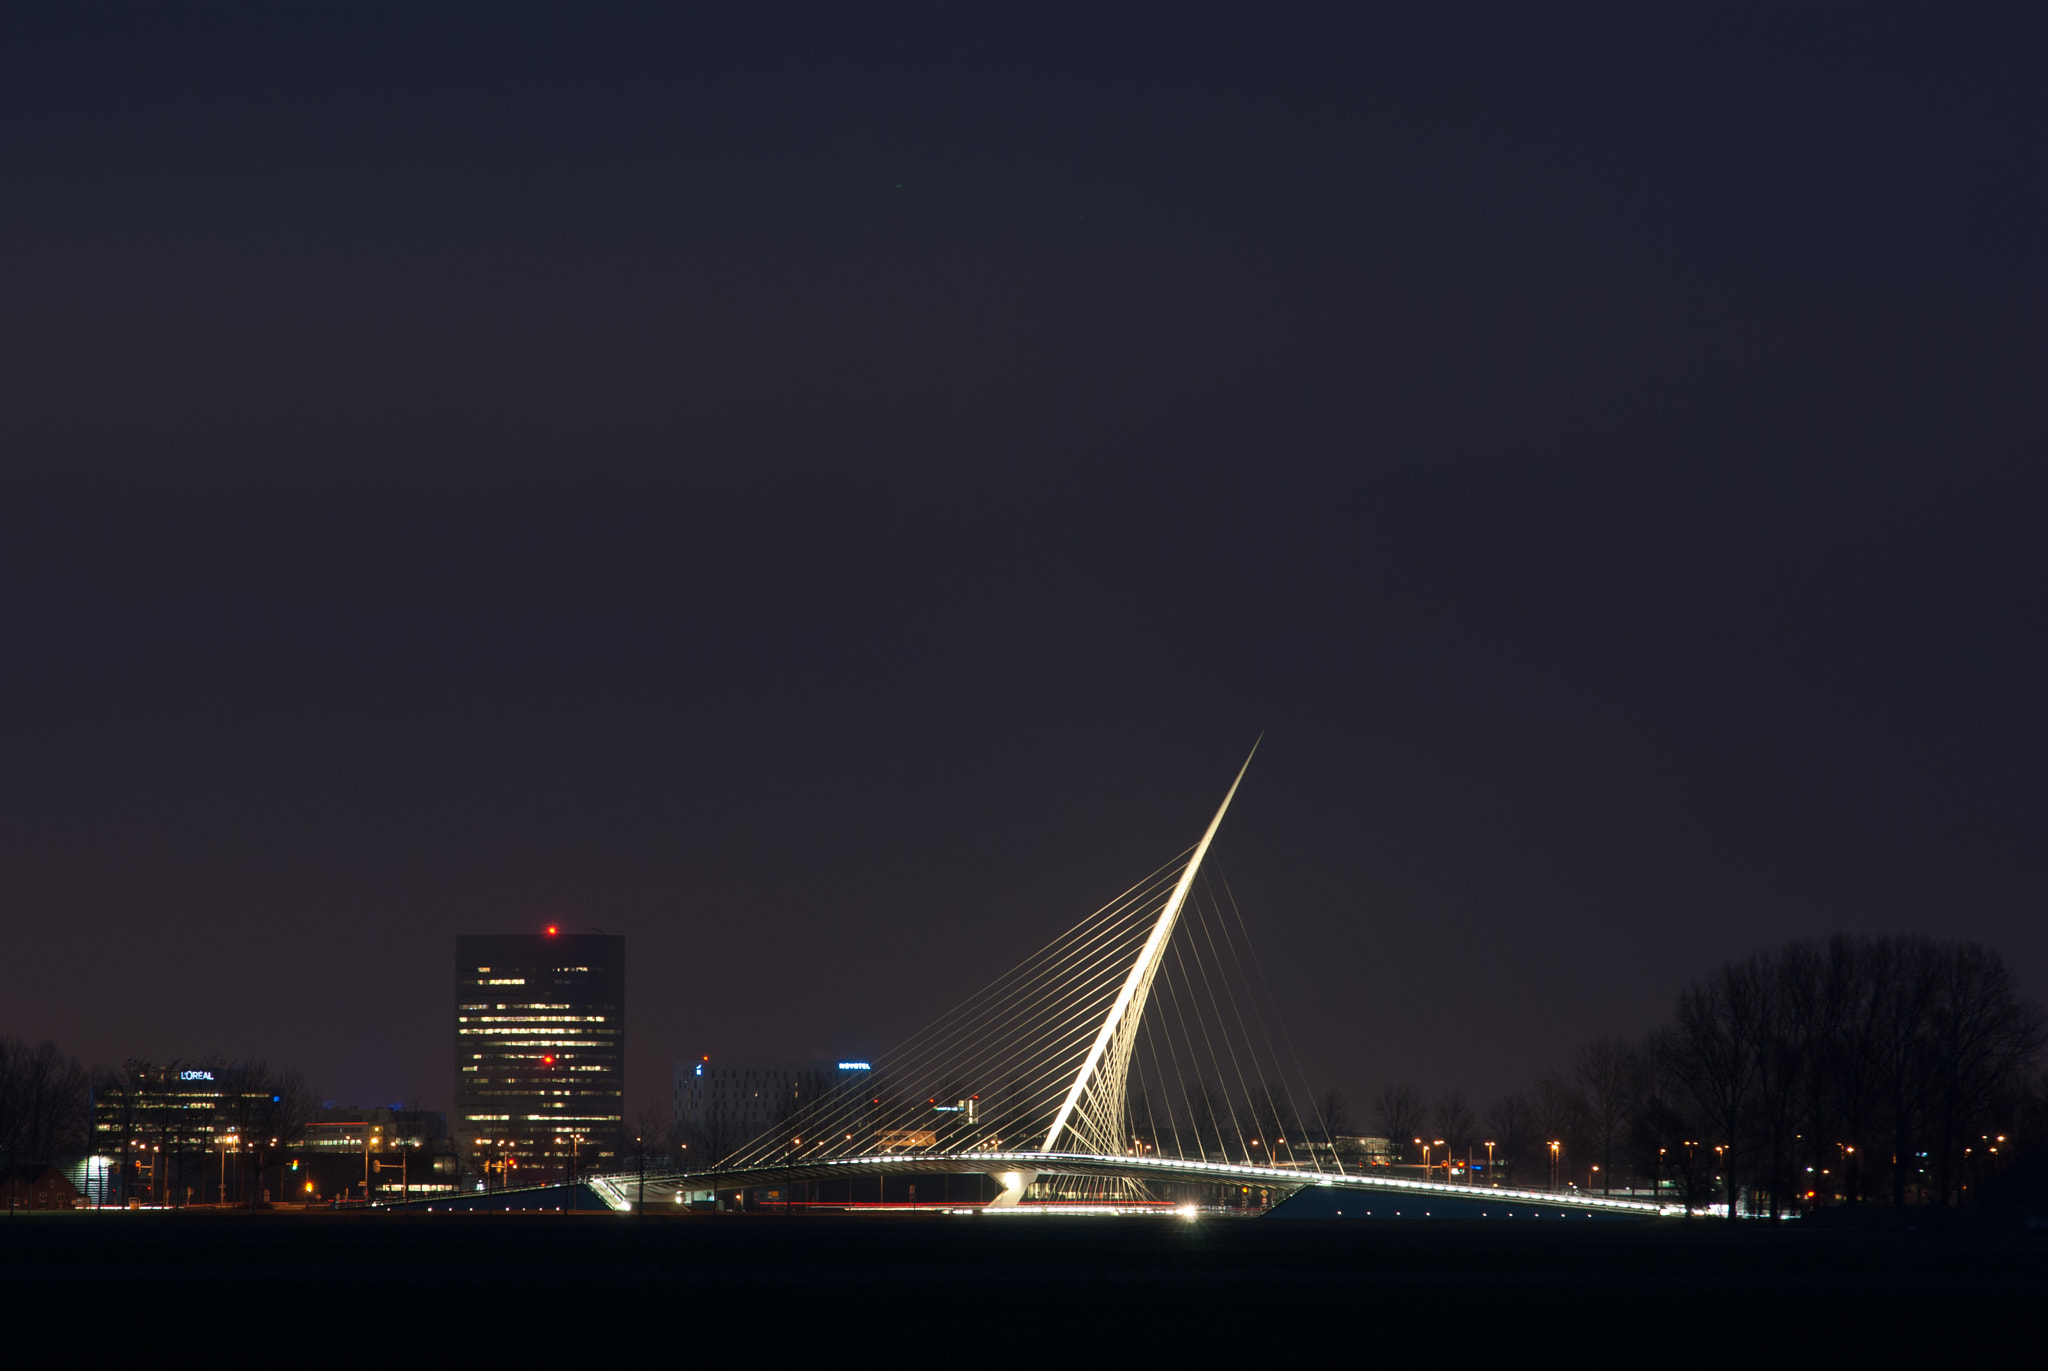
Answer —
832 495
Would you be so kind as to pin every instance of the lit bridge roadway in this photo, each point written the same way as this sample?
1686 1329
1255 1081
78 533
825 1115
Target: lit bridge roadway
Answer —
1016 1170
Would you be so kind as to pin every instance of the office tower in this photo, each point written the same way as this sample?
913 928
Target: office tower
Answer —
540 1054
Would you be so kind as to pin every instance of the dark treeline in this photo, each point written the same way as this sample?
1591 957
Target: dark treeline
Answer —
45 1104
1896 1069
156 1131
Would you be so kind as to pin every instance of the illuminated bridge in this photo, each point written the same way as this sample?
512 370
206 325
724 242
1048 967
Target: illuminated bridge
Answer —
1130 1064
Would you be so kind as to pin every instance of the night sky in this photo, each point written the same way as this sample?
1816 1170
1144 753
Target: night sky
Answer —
833 494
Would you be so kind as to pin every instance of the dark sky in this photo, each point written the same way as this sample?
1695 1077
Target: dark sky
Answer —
833 494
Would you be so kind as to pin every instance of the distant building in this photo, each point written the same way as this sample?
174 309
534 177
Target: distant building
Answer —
36 1187
540 1054
721 1105
394 1151
1360 1151
158 1130
348 1126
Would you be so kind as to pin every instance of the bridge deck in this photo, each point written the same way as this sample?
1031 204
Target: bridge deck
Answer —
622 1187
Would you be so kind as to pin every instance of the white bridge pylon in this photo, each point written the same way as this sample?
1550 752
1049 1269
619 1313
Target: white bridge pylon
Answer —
1095 1104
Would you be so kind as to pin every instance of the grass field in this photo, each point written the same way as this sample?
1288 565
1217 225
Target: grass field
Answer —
996 1290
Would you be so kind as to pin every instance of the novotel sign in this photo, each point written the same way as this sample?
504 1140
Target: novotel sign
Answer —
195 1075
854 1066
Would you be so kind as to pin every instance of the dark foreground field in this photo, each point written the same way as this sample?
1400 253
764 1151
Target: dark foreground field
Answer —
1003 1290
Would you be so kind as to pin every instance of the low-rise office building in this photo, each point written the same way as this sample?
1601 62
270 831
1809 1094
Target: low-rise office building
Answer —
386 1152
720 1105
164 1133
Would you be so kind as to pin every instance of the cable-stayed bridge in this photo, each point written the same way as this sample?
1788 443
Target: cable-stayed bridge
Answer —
1133 1062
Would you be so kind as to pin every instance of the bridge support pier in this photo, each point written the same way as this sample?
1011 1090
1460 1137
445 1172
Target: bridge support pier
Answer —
1014 1184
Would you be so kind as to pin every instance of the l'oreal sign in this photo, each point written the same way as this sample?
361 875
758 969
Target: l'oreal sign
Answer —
195 1075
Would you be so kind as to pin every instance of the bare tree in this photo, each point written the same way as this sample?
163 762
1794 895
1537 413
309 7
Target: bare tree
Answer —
1982 1036
1451 1119
1715 1045
1609 1080
1665 1131
711 1140
44 1110
1208 1110
117 1103
1846 1088
1905 978
647 1142
1788 1032
1397 1112
1803 1075
1333 1115
647 1131
13 1107
1510 1122
1144 1126
1559 1115
1265 1122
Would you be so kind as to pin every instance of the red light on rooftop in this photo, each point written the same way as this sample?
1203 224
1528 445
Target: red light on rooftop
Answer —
552 930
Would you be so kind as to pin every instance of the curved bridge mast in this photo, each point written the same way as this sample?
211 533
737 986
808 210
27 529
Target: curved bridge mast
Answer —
1098 1123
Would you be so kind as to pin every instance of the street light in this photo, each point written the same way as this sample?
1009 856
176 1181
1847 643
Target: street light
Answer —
1554 1162
1490 1179
404 1174
221 1193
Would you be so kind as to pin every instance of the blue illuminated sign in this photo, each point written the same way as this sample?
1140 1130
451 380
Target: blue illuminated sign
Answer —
195 1075
854 1066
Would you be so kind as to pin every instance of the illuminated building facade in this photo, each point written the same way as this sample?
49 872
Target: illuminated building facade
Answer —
720 1104
158 1131
540 1055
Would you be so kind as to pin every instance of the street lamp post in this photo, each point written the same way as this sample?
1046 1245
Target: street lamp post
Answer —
404 1171
220 1193
256 1180
1554 1163
368 1134
1491 1179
